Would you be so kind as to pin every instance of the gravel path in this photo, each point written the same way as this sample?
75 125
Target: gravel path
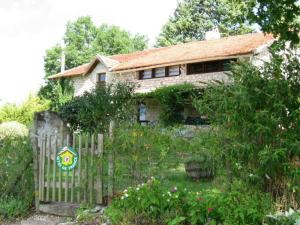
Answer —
41 219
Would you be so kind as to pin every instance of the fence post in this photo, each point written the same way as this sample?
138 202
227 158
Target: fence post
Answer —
34 141
110 165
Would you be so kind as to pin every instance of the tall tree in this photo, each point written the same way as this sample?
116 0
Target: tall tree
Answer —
83 40
193 18
280 17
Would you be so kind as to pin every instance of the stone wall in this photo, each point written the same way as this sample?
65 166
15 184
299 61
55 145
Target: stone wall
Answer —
50 123
88 82
144 86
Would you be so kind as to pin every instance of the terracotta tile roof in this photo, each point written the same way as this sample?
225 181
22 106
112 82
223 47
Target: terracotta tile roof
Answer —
181 53
197 51
76 71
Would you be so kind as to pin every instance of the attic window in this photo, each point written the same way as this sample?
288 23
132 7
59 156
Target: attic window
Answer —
101 78
209 67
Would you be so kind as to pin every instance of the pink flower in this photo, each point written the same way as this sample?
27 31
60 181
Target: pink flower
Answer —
210 210
174 189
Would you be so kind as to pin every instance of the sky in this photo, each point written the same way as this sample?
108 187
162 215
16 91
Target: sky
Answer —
29 27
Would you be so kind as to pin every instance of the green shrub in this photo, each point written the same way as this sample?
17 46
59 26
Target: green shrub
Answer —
92 111
13 207
172 100
287 218
151 204
16 175
24 112
12 129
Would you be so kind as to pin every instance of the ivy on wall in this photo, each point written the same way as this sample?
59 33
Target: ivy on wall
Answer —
172 100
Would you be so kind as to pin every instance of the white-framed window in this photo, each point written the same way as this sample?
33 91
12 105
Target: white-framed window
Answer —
174 71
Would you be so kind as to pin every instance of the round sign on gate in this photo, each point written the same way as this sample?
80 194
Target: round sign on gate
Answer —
67 158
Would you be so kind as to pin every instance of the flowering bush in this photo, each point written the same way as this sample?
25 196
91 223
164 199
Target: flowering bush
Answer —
150 203
290 217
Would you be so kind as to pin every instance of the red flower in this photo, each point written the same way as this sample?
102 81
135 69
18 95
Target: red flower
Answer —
210 210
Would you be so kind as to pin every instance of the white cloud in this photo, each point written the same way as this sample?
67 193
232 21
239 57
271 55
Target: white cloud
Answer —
29 27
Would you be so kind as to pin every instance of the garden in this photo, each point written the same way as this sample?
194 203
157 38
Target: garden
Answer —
244 169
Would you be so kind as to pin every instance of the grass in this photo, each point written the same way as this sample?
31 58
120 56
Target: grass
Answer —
177 178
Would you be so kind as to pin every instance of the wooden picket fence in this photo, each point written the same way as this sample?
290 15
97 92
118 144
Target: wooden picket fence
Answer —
83 184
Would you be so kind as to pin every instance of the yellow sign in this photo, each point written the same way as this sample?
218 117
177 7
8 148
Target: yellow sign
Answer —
67 158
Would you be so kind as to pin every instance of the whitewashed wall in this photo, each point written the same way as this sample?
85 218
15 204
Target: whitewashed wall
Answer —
88 82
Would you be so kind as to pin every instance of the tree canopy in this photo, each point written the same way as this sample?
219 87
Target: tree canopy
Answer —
83 40
193 18
280 17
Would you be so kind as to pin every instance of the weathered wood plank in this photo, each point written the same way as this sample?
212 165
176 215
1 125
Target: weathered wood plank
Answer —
79 169
43 167
54 170
110 188
48 156
73 171
91 181
100 170
86 154
67 175
41 141
60 170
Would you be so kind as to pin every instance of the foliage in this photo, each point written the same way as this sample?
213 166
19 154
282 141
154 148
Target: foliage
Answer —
258 116
290 217
12 129
57 92
83 40
16 175
24 112
145 151
12 208
193 18
203 160
149 203
172 100
280 18
101 105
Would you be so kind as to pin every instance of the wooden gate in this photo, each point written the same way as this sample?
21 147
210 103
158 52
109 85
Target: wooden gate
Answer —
82 184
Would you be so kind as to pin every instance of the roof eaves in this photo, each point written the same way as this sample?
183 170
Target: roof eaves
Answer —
150 66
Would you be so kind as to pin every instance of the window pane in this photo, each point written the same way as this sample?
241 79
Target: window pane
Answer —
213 66
142 112
102 77
174 70
195 68
146 74
160 72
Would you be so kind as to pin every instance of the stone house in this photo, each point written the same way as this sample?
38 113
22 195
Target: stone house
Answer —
196 62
